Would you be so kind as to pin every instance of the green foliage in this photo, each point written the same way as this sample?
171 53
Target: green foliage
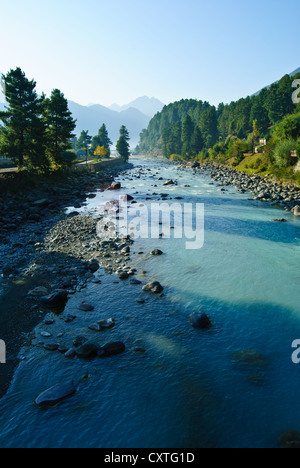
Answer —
289 127
102 139
122 146
298 148
59 127
84 142
37 131
253 116
22 136
282 153
68 158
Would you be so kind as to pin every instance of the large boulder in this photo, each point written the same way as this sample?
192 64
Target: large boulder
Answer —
200 321
88 350
115 186
57 299
55 394
154 287
111 349
157 252
170 182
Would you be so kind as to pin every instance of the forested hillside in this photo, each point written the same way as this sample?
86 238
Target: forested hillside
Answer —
195 129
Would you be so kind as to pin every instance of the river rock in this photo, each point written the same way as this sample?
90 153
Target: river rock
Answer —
170 182
41 203
115 186
156 252
79 341
55 394
88 350
135 282
70 354
95 327
85 307
289 440
123 275
200 321
155 287
39 291
111 349
296 210
56 299
51 347
94 266
107 324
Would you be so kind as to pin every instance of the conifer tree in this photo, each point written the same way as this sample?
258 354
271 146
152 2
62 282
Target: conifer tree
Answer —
23 133
123 147
59 126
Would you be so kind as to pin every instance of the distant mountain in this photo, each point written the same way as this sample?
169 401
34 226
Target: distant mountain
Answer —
91 118
268 87
295 72
146 105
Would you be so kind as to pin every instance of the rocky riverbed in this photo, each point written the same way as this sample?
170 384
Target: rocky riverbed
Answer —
262 188
29 267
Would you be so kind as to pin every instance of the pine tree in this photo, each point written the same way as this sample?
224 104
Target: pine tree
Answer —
84 142
197 141
102 139
59 126
123 147
188 128
23 133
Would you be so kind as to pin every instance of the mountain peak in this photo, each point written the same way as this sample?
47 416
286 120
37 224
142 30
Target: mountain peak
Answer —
146 105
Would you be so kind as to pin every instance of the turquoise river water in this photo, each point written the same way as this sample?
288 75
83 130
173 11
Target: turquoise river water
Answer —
187 391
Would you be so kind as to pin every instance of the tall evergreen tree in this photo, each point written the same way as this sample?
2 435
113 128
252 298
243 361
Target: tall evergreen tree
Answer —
59 126
188 128
23 132
84 142
102 139
197 141
123 147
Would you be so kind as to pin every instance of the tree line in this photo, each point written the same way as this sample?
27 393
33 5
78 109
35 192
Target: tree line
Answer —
99 145
37 132
190 128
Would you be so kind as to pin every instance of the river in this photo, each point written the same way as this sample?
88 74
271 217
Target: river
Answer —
191 388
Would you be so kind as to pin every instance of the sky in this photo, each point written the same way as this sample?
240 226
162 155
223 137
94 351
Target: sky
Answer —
113 51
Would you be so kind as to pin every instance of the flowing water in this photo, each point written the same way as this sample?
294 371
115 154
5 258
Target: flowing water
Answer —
191 389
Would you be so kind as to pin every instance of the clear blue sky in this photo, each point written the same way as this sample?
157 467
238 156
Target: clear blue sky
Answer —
106 51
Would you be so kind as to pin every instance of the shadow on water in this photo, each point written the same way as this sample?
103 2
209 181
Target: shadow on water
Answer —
20 313
270 231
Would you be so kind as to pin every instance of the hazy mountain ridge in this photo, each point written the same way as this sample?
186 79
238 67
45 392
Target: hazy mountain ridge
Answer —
146 105
91 118
295 72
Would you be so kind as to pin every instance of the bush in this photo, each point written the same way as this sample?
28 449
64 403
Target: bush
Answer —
282 153
298 148
289 127
68 158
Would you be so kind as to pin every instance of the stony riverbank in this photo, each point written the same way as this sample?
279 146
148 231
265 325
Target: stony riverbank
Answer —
28 215
25 264
262 189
